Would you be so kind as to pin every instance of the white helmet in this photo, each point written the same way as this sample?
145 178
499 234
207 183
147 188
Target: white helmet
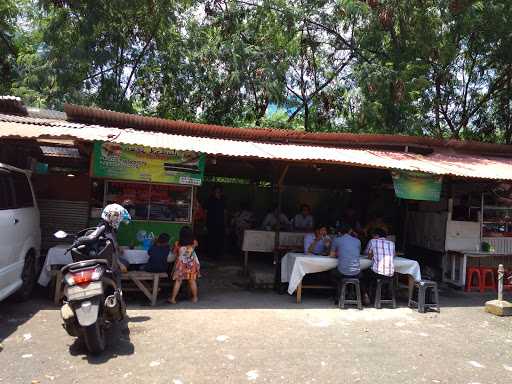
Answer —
115 214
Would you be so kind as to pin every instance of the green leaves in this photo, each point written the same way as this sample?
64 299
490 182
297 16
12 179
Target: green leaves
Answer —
440 67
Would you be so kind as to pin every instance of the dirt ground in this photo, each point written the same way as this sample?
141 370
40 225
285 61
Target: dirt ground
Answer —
239 336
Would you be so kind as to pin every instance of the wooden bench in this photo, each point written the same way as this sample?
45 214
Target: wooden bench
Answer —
310 286
141 280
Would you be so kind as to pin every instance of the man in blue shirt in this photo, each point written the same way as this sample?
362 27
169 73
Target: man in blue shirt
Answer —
347 248
317 243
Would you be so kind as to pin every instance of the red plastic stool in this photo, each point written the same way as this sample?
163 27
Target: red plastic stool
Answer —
484 274
473 271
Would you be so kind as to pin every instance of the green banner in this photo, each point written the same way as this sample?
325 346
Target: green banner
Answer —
138 163
417 186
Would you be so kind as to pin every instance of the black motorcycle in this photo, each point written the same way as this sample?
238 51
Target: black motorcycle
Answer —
93 297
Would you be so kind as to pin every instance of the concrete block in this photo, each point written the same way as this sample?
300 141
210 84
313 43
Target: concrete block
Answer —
499 307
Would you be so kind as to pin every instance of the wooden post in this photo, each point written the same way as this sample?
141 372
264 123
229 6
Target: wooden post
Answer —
278 228
406 223
481 219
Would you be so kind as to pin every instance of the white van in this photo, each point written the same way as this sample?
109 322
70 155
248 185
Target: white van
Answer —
20 233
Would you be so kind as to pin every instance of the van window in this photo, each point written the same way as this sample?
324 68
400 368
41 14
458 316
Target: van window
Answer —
22 190
6 195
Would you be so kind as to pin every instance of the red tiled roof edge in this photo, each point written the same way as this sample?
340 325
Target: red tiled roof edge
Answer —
89 115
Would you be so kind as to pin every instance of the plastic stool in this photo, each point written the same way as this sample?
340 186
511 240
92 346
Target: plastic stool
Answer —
473 271
383 281
421 289
484 274
345 282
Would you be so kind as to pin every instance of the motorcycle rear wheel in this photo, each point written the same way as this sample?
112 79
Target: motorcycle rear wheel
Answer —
94 337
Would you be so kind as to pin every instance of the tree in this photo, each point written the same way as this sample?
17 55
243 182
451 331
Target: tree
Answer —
442 64
420 67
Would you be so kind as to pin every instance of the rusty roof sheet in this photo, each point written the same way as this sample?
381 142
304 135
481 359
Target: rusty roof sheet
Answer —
82 114
13 105
485 167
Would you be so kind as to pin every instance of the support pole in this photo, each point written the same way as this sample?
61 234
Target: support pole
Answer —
501 274
278 228
406 224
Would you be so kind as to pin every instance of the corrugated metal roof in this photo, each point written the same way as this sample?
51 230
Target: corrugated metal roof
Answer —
88 115
46 113
437 163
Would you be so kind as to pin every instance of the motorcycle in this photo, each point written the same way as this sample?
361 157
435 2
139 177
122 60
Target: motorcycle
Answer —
93 300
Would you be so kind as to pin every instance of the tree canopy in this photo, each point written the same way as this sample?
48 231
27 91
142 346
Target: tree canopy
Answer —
423 67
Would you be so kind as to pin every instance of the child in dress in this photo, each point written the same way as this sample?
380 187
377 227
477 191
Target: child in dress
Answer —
186 266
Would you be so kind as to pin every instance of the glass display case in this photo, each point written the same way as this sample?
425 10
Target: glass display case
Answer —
154 202
497 221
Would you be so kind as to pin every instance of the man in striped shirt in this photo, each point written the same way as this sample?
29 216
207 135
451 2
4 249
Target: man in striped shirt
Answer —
382 252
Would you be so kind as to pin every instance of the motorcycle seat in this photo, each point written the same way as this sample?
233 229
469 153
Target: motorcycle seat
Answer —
83 264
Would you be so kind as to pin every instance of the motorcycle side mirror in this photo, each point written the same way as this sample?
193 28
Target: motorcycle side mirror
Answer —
60 235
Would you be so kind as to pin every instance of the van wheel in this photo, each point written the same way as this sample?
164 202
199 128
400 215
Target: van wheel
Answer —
28 276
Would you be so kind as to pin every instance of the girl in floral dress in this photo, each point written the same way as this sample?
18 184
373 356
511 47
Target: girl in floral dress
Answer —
186 266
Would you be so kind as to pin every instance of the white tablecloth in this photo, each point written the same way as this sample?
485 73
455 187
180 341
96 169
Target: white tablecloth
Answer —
264 241
294 266
57 256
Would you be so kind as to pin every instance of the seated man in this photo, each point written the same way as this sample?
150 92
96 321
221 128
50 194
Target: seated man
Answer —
376 222
347 248
317 243
303 220
382 252
270 221
350 218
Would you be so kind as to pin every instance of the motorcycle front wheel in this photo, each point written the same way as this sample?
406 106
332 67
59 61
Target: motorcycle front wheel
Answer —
94 337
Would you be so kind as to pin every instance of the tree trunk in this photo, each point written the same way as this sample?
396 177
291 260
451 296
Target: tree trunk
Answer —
306 116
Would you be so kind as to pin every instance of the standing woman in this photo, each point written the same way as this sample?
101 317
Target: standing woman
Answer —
215 223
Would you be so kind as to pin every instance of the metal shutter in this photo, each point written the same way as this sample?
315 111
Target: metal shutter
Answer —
69 216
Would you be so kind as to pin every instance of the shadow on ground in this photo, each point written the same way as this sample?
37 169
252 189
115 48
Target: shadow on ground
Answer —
118 344
13 314
221 287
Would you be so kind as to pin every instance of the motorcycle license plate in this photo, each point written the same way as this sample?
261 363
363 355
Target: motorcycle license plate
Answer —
80 292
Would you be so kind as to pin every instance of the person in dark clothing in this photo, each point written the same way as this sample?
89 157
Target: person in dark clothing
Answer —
215 222
158 254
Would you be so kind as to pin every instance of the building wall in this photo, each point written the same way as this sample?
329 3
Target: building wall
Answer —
62 187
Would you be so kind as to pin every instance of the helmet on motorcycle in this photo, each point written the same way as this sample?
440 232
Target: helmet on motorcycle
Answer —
114 215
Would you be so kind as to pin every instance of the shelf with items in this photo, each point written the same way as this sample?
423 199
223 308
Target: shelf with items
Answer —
496 221
152 202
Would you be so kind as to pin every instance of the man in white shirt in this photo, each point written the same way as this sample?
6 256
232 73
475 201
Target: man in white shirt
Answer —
270 221
382 252
303 220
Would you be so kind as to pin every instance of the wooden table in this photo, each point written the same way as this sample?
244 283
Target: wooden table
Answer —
58 257
264 242
294 266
